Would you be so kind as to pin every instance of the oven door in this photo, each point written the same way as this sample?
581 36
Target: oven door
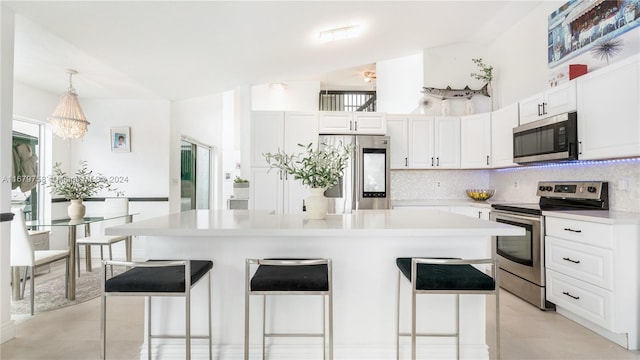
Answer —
521 255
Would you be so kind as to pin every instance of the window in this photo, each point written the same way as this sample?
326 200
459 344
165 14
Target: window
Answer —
338 100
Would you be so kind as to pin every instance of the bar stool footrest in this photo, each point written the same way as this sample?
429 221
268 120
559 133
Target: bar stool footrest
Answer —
431 334
292 335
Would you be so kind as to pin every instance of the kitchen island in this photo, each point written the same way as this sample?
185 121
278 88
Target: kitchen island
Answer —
363 246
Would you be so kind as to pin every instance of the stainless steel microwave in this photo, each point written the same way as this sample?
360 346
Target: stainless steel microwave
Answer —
551 139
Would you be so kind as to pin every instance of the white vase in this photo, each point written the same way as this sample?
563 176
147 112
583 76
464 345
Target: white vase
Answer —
76 209
317 204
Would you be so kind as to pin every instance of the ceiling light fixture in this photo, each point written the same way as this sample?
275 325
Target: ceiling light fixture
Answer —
343 33
68 120
369 75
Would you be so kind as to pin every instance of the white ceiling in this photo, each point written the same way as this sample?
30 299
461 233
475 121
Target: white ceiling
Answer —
183 49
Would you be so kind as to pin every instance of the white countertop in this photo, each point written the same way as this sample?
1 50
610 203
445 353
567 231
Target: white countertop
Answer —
598 216
415 222
441 202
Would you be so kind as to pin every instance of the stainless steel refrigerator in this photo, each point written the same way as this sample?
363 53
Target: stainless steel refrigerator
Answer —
366 181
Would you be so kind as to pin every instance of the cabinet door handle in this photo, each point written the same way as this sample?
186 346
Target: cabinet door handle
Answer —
487 160
572 230
571 296
438 161
539 110
406 163
280 174
432 161
544 108
571 260
579 147
355 126
350 125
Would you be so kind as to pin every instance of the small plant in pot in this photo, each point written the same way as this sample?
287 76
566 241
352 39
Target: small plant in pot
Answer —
240 188
77 187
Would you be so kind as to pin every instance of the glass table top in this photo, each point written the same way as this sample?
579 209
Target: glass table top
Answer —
69 222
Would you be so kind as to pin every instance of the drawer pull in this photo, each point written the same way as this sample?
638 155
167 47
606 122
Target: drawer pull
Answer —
571 260
571 296
572 230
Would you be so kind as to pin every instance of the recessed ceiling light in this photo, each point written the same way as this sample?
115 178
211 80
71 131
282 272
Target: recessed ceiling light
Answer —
343 33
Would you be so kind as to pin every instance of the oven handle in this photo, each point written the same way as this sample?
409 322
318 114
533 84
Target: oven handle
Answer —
501 215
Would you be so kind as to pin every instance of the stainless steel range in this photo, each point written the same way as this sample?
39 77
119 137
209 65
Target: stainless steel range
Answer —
521 258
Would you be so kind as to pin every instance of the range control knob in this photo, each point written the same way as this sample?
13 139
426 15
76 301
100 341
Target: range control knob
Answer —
591 189
541 188
548 188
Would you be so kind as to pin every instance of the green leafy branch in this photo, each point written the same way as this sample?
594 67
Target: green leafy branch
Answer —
314 168
486 72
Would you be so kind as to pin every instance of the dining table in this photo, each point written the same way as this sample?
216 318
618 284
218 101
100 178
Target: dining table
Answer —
72 225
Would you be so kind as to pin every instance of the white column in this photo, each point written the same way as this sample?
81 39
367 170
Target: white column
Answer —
7 28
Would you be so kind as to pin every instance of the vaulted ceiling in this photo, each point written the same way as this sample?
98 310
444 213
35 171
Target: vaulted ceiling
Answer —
183 49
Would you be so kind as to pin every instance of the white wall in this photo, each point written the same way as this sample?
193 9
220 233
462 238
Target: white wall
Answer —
7 28
294 96
200 119
519 56
398 84
143 172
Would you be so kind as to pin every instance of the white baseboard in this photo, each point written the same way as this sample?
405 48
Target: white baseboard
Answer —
174 349
7 331
620 339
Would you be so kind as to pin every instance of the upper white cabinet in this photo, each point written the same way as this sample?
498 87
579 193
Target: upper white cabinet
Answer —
556 100
411 141
502 123
446 142
345 122
609 111
424 142
475 141
270 131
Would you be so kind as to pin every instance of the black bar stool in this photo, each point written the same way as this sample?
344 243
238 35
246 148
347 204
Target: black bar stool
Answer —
157 278
446 276
289 277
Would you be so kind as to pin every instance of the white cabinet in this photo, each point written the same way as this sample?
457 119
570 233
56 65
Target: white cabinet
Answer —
446 142
609 111
424 142
475 141
398 137
345 122
556 100
272 130
502 123
592 276
411 141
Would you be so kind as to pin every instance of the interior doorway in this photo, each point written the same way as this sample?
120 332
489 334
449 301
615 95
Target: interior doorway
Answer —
27 185
195 175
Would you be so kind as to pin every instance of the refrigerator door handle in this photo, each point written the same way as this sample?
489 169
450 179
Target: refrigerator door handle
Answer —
356 171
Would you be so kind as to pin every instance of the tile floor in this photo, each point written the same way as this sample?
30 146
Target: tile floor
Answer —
73 333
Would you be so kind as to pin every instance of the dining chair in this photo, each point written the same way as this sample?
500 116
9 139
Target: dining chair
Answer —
24 255
112 207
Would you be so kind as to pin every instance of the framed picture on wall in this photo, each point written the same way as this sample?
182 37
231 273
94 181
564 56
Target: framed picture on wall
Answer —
120 139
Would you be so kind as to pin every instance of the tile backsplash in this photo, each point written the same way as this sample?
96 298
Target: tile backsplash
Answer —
519 184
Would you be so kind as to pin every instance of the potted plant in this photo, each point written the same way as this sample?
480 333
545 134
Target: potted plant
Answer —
317 169
240 188
76 188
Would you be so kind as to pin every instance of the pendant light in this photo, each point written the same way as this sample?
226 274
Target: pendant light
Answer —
68 120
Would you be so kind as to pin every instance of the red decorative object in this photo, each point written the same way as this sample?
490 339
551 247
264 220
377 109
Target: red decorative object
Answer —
576 70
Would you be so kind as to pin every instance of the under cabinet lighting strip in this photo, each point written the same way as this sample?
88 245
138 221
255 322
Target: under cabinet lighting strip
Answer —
573 163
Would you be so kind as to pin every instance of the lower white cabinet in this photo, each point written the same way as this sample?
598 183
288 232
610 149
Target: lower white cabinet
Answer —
592 276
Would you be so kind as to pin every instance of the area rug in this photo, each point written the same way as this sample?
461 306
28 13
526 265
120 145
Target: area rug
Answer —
50 291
